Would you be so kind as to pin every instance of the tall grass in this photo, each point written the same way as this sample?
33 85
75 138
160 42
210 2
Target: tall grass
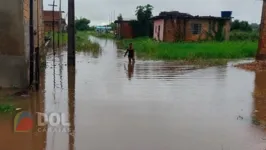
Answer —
244 36
62 37
190 51
102 35
83 43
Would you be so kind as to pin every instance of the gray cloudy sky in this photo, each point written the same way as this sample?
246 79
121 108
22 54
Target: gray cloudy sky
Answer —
99 11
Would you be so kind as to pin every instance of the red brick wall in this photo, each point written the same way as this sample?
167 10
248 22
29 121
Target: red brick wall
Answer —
38 20
48 26
173 28
48 19
125 30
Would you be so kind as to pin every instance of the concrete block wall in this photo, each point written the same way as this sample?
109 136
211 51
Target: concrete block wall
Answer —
14 36
13 52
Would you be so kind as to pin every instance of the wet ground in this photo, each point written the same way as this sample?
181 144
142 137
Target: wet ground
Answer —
150 105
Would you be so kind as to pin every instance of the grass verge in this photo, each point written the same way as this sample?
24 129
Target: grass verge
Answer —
84 44
62 37
211 53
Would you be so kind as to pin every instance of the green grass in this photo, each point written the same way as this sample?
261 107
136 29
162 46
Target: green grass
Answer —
62 37
192 51
6 108
84 44
101 35
240 36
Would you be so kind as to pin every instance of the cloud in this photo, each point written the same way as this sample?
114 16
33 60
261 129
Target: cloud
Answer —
100 11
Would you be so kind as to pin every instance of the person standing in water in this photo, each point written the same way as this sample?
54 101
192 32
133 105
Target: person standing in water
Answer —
130 52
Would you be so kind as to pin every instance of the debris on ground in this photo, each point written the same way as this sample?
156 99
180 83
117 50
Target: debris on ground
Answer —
22 93
253 66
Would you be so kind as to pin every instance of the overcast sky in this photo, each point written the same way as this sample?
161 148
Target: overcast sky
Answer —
100 11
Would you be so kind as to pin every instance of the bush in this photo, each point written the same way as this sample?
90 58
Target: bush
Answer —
244 36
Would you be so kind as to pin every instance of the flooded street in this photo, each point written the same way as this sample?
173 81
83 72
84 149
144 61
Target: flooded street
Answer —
151 105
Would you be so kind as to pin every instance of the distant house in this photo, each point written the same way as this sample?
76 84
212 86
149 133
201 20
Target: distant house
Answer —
124 29
102 29
176 26
48 21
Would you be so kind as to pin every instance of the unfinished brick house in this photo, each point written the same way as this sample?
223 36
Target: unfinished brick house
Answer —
175 26
124 29
48 20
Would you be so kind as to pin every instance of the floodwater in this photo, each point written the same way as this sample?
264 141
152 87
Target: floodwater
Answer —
151 105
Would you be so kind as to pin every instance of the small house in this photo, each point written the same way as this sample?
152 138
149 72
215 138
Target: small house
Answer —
124 29
102 29
48 21
176 26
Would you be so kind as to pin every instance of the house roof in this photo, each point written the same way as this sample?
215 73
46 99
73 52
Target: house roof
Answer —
48 15
120 21
177 14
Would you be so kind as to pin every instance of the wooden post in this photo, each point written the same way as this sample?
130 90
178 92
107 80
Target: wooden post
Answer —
31 43
71 33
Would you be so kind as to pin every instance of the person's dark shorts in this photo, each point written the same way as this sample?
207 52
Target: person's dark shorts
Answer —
131 56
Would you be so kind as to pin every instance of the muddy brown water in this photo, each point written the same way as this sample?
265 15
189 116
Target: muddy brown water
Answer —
151 105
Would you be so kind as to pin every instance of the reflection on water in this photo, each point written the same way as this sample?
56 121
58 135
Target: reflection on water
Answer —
130 70
260 99
71 105
164 106
35 140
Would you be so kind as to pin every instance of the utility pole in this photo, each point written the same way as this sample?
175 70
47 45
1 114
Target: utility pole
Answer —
114 15
60 24
71 33
31 42
53 5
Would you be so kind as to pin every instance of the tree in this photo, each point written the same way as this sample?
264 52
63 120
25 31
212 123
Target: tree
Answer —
143 26
82 24
140 13
144 13
120 18
255 26
148 11
241 26
112 25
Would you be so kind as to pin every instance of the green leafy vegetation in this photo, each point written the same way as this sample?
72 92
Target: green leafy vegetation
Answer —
237 35
242 26
143 26
83 43
243 31
192 51
82 24
7 108
120 17
61 36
